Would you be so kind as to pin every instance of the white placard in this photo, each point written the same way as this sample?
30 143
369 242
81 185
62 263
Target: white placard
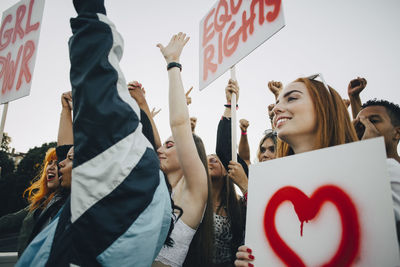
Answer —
231 30
19 37
330 207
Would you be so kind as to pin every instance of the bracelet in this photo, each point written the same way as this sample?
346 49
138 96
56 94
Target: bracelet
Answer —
229 105
245 196
244 133
173 65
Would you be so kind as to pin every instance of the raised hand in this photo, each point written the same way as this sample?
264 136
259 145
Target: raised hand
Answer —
271 114
66 100
188 98
356 86
154 112
137 92
238 176
193 122
244 124
232 87
173 50
275 87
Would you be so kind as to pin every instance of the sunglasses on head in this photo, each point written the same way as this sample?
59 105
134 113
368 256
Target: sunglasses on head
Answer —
321 77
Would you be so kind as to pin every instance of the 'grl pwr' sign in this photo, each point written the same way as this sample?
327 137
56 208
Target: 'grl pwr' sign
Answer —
19 36
231 30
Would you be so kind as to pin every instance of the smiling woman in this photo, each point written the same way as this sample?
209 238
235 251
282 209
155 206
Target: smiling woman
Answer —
309 115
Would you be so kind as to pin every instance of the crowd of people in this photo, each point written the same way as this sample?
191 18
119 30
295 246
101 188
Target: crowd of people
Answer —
112 193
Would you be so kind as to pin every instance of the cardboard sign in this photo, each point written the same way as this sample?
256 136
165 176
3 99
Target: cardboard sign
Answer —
231 30
19 36
329 207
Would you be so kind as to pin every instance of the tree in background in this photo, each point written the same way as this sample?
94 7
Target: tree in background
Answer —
12 185
5 143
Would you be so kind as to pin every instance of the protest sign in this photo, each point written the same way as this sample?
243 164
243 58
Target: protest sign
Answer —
19 36
231 30
329 207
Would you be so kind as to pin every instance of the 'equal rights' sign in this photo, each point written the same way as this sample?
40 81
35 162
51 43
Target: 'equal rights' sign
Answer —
19 36
231 30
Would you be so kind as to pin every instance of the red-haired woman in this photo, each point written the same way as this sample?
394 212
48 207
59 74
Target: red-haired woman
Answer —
309 115
45 199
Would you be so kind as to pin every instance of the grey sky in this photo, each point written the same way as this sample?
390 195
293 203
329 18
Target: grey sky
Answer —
341 39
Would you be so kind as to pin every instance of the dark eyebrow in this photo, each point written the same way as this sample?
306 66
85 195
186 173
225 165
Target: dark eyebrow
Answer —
288 93
293 91
375 116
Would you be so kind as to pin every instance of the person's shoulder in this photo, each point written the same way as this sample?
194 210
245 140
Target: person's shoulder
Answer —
393 168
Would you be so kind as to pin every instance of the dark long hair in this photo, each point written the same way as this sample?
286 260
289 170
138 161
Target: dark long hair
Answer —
201 248
236 211
169 242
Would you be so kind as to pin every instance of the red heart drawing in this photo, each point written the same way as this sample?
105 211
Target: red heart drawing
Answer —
306 209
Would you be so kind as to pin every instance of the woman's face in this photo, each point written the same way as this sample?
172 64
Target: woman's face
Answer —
267 150
215 168
295 118
52 175
65 169
168 156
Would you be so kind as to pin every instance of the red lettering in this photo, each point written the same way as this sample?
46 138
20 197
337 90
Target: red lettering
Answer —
246 24
235 9
29 50
232 41
7 33
220 48
207 37
224 18
260 10
30 27
208 65
9 69
3 62
17 29
272 15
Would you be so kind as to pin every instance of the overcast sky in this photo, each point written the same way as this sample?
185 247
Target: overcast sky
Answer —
342 39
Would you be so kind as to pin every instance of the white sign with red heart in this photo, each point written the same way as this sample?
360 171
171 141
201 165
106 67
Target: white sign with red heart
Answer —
330 207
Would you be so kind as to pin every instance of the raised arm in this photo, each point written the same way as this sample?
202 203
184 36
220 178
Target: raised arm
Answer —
275 88
224 132
192 167
244 148
65 132
138 93
354 89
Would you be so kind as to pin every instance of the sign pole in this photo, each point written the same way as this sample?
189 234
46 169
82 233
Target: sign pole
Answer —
3 121
233 118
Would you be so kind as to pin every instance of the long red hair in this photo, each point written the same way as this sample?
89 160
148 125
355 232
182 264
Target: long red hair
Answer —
333 121
38 193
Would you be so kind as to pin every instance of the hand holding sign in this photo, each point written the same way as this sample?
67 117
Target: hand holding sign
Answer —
232 87
244 257
238 176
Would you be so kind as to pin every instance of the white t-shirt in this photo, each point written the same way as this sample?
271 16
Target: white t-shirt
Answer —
394 176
